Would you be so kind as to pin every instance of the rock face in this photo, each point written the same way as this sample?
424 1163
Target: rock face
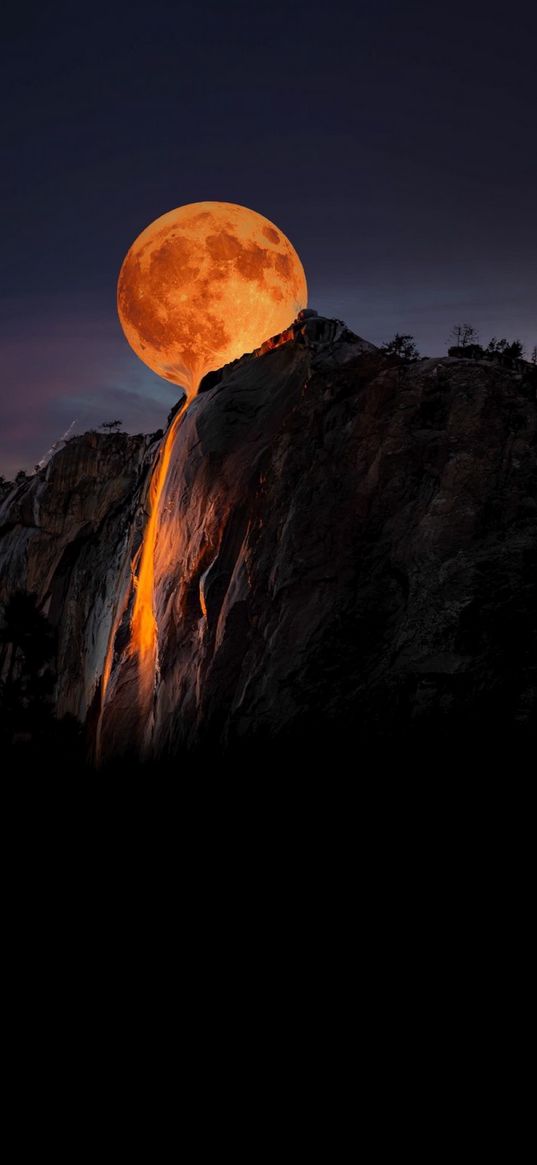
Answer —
64 534
346 547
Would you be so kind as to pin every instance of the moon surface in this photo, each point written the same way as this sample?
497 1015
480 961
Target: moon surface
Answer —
205 283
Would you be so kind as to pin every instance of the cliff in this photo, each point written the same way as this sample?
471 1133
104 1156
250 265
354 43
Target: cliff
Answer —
65 534
346 552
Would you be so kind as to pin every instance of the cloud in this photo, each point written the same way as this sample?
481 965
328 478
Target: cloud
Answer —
57 364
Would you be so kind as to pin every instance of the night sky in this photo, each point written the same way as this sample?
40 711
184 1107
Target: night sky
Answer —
395 145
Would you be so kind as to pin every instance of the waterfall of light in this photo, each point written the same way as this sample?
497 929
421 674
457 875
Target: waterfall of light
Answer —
143 642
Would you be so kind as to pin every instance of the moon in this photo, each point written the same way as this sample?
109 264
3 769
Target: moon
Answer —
205 283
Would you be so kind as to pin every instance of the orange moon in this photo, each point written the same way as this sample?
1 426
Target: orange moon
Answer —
205 283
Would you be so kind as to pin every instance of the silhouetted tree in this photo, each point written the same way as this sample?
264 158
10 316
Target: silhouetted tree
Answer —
507 352
28 645
515 350
30 733
111 426
26 632
497 347
403 347
469 352
463 335
534 355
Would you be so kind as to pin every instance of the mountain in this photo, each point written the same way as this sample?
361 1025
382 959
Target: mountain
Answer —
345 556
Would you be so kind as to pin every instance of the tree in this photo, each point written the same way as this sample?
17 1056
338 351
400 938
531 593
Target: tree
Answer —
469 352
403 347
463 335
515 350
534 355
26 695
496 347
111 426
27 631
508 352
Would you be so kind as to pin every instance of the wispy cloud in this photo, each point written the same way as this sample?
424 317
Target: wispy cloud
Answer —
57 364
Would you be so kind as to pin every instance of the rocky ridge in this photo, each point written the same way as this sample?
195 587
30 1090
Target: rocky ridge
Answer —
346 547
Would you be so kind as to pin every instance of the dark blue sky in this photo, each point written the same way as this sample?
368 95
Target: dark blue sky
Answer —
396 146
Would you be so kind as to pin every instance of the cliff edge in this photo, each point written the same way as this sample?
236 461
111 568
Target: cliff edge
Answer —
346 549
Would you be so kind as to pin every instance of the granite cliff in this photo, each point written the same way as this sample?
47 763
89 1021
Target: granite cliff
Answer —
346 550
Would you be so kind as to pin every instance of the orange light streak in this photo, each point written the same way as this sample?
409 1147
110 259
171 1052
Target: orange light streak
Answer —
143 622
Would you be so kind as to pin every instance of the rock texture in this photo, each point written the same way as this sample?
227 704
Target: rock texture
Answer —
346 549
66 534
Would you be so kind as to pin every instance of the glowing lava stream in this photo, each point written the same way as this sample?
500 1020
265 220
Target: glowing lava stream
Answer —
144 631
144 640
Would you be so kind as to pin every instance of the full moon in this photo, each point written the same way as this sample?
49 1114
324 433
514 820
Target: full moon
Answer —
205 283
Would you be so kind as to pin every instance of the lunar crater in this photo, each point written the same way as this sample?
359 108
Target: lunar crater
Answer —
204 284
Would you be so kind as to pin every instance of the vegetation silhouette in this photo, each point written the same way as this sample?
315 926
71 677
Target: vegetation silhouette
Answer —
507 353
30 733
